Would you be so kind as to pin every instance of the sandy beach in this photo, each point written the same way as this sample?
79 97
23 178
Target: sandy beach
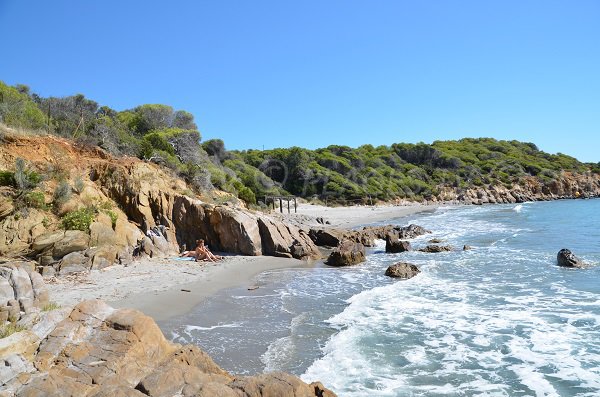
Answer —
350 217
167 287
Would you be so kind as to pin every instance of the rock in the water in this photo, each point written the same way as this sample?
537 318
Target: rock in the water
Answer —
436 241
394 245
467 248
411 231
346 254
436 248
402 270
567 259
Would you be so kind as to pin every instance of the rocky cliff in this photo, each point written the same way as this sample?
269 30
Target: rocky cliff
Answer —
138 196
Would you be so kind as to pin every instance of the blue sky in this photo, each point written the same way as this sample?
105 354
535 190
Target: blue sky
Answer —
314 73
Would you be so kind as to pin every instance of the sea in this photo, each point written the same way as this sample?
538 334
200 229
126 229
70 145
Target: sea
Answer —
501 319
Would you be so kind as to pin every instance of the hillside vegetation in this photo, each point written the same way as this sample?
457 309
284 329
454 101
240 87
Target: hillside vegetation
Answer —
168 137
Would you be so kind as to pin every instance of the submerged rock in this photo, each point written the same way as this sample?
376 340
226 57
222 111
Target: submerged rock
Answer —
566 258
346 254
402 270
436 248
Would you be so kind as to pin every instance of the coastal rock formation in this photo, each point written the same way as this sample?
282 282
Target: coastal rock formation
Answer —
436 248
22 291
100 351
279 239
566 258
346 254
394 245
402 270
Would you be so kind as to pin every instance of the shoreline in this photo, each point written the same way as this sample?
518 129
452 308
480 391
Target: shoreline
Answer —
163 288
354 216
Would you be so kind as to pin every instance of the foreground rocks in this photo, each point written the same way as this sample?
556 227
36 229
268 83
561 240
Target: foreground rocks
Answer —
566 258
23 293
346 254
402 270
100 351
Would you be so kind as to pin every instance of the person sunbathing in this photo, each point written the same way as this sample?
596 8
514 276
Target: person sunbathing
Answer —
201 253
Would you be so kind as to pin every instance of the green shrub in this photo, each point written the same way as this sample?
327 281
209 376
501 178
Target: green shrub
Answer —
113 218
25 179
62 194
35 199
50 306
9 329
7 178
247 195
80 219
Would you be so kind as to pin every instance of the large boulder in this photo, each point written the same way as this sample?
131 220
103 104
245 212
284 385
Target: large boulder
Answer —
326 237
98 351
17 232
402 270
566 258
394 245
73 240
346 254
281 239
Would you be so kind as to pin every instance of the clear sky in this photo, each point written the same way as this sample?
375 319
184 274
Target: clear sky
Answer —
313 73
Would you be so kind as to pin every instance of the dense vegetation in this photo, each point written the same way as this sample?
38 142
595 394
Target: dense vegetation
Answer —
169 137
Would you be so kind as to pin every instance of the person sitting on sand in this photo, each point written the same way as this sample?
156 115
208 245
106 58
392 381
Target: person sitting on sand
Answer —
204 254
201 253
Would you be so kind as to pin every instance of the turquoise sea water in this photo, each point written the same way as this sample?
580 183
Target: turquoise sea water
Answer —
500 320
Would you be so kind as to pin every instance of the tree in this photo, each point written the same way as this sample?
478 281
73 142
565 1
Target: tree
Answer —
184 120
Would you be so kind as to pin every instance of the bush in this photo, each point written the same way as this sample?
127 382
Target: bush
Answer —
80 219
24 178
7 178
113 218
62 194
247 195
9 329
35 199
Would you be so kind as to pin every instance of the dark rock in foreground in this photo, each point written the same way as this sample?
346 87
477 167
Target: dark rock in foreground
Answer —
393 245
566 258
436 248
346 254
402 270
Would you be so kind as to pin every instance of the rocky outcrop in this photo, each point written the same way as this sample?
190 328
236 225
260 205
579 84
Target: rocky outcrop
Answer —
346 254
284 240
394 245
402 270
566 258
22 292
17 231
565 185
100 351
436 248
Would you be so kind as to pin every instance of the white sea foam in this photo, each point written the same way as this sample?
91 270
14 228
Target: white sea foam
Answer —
444 331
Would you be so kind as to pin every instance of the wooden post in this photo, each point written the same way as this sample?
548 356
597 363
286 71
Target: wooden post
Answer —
280 205
48 116
288 200
295 206
273 202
